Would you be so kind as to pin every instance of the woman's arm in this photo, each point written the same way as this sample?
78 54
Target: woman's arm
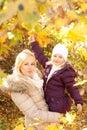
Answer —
38 99
29 108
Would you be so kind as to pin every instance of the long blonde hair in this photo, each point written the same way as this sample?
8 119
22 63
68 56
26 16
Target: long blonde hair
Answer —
20 59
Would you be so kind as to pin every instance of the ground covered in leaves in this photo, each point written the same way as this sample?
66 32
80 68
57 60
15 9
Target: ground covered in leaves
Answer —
71 121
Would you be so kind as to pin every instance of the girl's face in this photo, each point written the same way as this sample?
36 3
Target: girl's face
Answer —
57 59
28 67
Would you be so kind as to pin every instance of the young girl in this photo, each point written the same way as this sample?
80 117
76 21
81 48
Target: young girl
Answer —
58 77
25 89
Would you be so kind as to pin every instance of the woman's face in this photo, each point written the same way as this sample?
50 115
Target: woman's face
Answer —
28 67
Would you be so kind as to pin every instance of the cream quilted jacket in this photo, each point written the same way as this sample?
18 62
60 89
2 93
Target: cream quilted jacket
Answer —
29 100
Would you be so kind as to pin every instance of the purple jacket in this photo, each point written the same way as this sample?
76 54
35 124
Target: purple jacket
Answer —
59 86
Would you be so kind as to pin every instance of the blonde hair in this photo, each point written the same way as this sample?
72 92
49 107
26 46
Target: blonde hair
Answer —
20 59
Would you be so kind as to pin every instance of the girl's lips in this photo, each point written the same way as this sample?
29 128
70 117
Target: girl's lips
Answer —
56 62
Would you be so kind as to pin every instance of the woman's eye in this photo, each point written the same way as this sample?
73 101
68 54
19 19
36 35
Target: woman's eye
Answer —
33 64
55 56
26 64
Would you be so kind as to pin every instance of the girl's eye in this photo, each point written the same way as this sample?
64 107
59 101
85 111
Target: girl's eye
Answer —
60 57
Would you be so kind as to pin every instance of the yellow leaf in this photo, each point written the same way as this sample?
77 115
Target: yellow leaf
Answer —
60 22
56 127
71 14
20 7
43 38
9 11
75 37
0 82
42 8
78 32
3 35
3 38
19 127
83 52
51 128
30 129
81 82
29 6
70 117
63 119
84 6
82 19
27 13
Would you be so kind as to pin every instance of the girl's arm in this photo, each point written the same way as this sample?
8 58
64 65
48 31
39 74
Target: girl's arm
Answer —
69 81
38 51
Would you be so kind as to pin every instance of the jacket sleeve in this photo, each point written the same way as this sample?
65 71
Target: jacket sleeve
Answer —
38 99
39 54
29 108
69 81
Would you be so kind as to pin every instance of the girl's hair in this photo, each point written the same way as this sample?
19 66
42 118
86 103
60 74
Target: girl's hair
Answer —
20 59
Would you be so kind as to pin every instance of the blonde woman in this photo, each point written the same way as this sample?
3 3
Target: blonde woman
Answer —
25 89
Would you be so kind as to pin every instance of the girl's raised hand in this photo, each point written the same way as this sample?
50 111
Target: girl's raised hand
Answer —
32 38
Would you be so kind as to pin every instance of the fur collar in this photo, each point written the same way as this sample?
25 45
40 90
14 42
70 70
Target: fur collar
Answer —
18 83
